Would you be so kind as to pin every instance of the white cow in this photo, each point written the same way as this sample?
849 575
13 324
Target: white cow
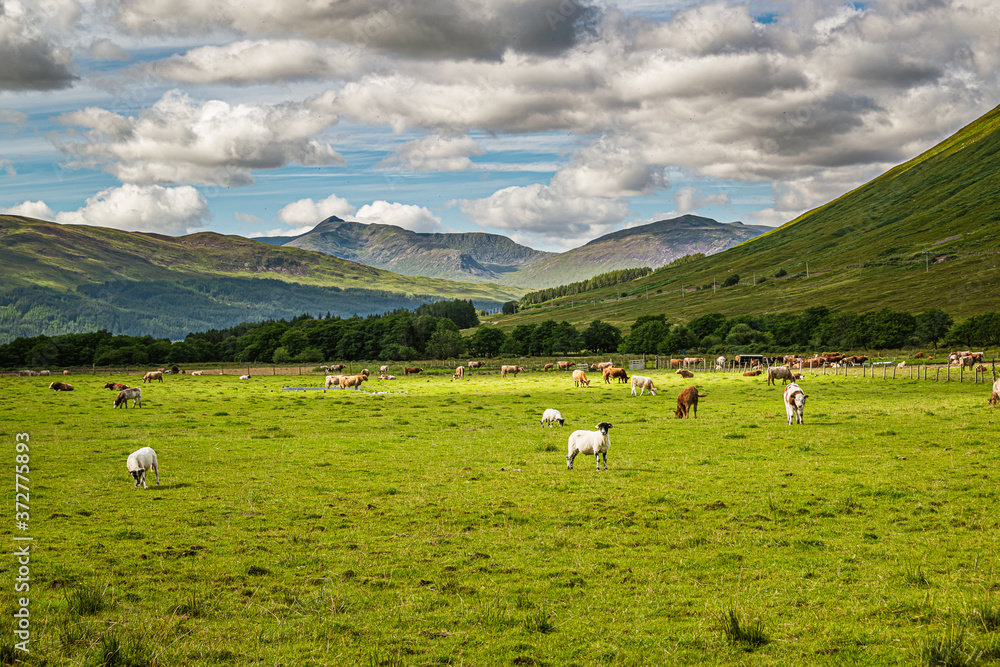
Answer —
643 383
795 403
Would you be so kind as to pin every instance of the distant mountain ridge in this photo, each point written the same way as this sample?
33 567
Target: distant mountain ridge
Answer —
481 257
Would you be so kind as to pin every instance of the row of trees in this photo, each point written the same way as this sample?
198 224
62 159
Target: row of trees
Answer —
608 279
406 335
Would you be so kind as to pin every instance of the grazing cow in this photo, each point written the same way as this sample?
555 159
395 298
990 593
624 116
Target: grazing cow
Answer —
459 374
513 370
643 383
45 372
152 375
783 373
66 372
795 403
675 363
332 381
117 386
548 367
131 393
565 365
612 372
246 377
995 396
590 442
411 371
476 364
751 374
383 369
687 403
601 365
551 416
139 462
61 386
918 355
580 378
685 373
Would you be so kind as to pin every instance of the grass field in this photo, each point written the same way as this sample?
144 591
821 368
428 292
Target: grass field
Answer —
438 525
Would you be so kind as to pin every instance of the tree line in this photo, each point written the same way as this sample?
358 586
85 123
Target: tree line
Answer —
608 279
433 332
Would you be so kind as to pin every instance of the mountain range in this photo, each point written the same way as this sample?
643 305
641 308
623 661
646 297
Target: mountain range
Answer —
481 257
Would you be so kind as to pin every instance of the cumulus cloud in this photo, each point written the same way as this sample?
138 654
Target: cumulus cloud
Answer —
30 209
690 199
407 216
260 61
143 208
309 212
424 29
105 49
181 140
31 61
435 153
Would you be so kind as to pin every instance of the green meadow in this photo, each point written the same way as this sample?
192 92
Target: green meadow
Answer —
438 524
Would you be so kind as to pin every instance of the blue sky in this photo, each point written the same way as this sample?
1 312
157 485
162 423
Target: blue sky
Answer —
549 121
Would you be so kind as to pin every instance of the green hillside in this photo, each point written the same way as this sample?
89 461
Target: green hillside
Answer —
64 278
925 234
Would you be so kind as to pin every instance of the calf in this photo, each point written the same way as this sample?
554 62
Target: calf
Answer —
795 403
152 375
643 383
995 397
459 373
580 378
590 442
139 462
131 393
687 402
685 373
61 386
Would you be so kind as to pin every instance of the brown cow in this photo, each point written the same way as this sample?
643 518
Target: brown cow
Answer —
612 372
687 401
117 386
675 363
352 381
61 386
548 367
566 365
152 375
459 374
685 373
513 370
580 378
411 371
751 374
476 364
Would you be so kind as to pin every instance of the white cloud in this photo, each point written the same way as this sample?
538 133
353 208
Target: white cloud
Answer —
30 209
105 49
31 61
13 117
407 216
297 231
248 218
143 208
309 212
690 199
180 140
435 153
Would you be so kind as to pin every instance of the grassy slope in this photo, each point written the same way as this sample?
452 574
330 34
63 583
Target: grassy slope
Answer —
945 202
311 528
64 256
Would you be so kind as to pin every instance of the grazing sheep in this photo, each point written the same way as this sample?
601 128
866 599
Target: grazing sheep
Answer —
117 386
795 403
332 380
139 462
783 373
459 373
590 442
133 393
643 383
685 373
152 375
551 416
580 378
687 403
995 397
246 377
61 386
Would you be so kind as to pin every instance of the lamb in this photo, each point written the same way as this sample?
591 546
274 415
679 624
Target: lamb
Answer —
590 442
643 383
783 373
795 403
459 373
61 386
152 375
995 397
580 378
133 393
139 462
684 373
551 416
687 402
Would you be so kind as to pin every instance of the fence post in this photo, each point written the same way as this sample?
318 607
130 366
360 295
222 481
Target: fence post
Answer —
948 378
937 375
961 373
883 370
893 372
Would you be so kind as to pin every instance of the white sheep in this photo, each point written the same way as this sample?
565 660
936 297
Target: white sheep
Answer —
139 462
551 416
590 442
643 383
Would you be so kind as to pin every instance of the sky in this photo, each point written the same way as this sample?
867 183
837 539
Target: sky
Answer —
551 122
